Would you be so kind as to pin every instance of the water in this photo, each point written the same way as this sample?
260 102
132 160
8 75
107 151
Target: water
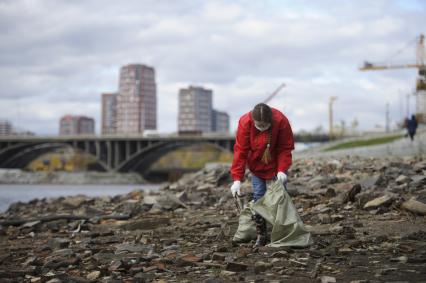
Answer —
299 146
24 193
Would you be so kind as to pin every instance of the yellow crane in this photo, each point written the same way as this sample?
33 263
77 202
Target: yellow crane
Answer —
421 79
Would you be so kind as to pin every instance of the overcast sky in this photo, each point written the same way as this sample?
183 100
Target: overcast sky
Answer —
57 57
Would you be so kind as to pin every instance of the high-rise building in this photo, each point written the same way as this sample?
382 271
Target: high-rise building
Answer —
109 113
195 110
5 128
220 121
76 125
136 108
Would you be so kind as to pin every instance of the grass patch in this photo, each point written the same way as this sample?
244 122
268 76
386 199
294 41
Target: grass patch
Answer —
369 142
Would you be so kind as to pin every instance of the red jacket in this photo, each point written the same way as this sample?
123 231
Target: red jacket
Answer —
251 143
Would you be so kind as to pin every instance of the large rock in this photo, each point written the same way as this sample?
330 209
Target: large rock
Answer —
414 206
74 201
371 181
380 201
402 179
418 180
170 202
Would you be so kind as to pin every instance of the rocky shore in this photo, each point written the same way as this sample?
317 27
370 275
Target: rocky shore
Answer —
17 176
367 217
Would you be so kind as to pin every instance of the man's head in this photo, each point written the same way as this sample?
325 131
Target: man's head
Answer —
262 116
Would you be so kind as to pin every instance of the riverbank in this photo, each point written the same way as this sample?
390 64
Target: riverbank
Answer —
370 146
12 193
366 216
17 176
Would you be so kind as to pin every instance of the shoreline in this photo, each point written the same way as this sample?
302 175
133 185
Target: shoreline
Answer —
18 176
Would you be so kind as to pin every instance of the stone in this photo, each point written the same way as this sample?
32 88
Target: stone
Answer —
380 201
402 259
280 254
328 279
418 180
345 251
135 248
337 229
59 243
243 252
56 225
182 196
188 260
276 260
385 271
228 273
324 218
330 193
205 187
63 253
414 206
92 276
235 266
350 195
317 182
145 224
170 202
337 217
105 257
371 181
219 256
74 201
130 207
31 224
402 179
261 266
419 166
115 265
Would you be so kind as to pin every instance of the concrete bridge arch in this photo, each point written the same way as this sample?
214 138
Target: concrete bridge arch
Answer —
112 154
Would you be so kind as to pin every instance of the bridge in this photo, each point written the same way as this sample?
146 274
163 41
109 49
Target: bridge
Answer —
113 153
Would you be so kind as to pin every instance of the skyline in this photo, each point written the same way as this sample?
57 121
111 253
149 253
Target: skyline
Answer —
52 64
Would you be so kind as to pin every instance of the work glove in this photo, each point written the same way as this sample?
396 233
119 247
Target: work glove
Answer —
236 188
282 177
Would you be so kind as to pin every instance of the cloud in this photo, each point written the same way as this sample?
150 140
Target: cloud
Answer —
59 56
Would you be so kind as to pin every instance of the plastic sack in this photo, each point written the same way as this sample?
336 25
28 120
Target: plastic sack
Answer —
278 210
246 228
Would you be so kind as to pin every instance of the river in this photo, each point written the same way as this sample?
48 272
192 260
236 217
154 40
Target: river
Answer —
24 193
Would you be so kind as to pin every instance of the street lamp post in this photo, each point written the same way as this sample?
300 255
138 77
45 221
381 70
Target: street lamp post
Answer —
330 116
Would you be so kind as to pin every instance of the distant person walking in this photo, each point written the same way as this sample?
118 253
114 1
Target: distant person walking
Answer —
412 126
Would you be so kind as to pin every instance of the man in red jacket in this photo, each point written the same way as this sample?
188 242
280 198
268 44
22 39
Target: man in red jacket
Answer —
264 142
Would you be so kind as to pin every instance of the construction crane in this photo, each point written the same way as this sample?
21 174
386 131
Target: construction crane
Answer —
274 93
421 79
